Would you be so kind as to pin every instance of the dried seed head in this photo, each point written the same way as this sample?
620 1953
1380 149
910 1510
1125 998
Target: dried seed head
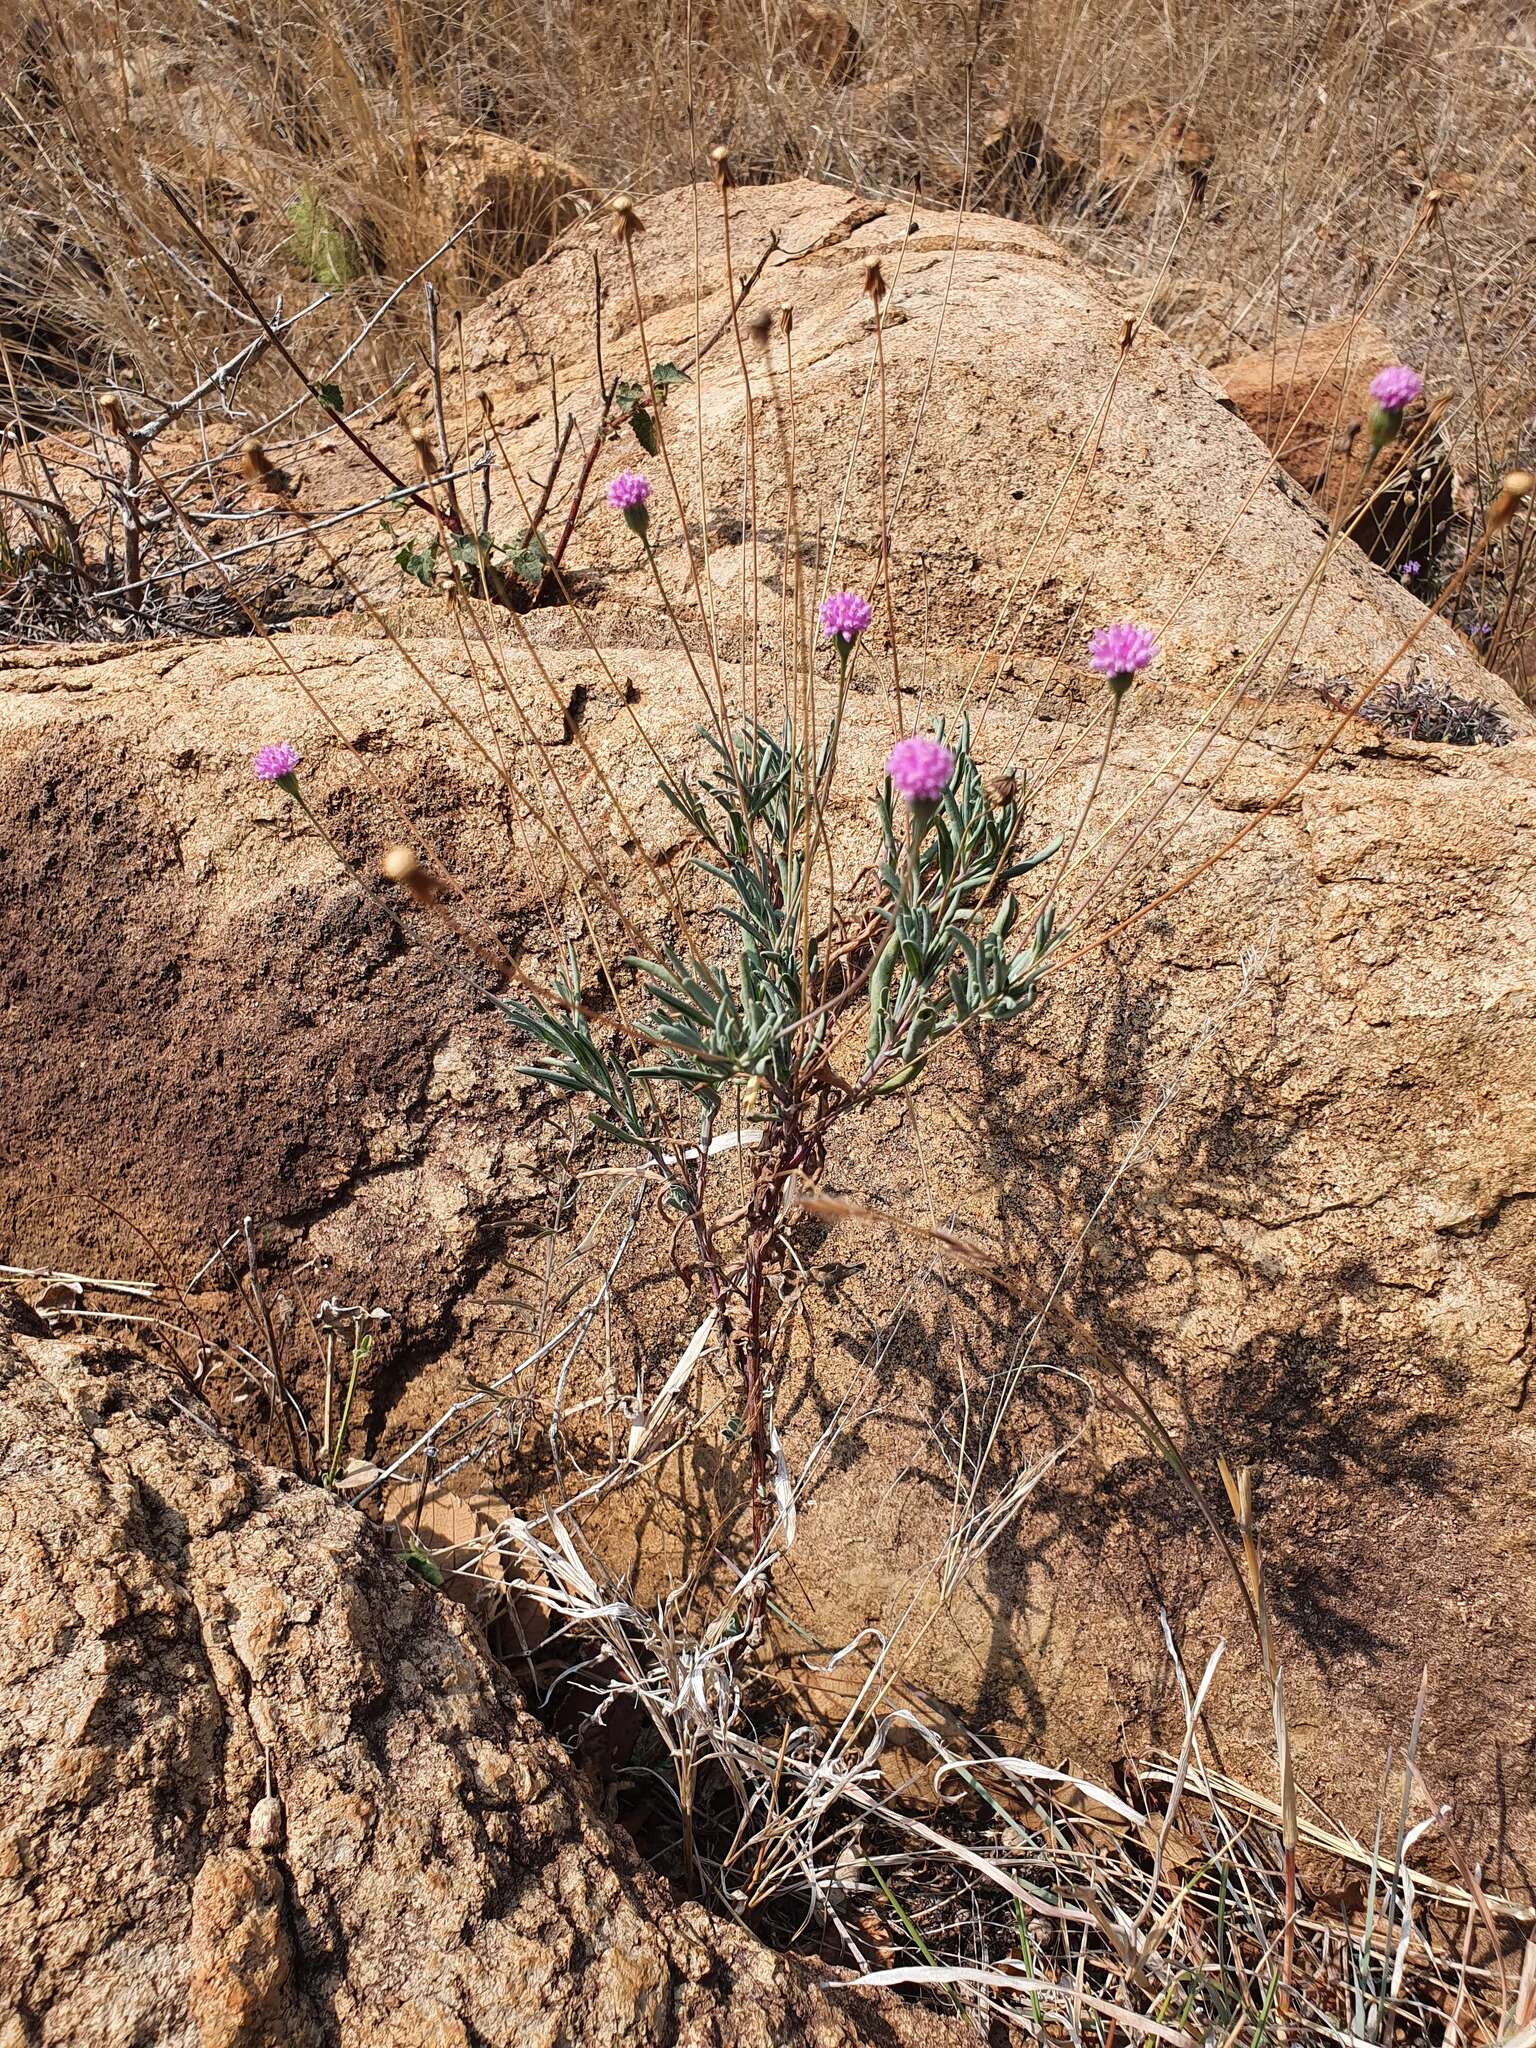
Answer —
399 864
258 464
426 454
1127 332
1512 494
720 158
874 280
626 222
483 400
786 318
266 1830
265 474
112 412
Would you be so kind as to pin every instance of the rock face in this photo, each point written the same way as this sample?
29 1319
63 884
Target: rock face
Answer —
1309 399
1318 1250
266 1789
512 200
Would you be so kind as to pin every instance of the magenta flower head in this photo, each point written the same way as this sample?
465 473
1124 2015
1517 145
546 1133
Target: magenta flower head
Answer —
278 762
920 768
1119 652
844 616
627 494
1396 386
1409 570
1392 389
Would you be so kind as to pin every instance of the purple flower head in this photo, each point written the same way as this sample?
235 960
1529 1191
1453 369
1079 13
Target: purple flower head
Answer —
1396 386
919 767
844 616
277 761
627 494
1121 651
628 489
1482 629
1409 570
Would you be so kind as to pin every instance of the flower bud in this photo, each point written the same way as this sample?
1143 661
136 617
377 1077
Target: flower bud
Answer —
1511 495
626 222
399 864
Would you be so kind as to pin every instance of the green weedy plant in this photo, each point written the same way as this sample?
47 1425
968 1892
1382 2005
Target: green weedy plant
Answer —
323 246
811 1012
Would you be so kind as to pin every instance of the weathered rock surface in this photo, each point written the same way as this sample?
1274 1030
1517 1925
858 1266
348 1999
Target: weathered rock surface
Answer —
510 201
266 1789
1309 399
1320 1257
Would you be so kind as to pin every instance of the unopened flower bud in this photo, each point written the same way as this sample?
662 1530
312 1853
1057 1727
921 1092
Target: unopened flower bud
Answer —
426 454
1510 496
399 864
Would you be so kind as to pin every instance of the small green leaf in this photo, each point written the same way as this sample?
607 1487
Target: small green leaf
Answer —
645 429
330 397
419 562
417 1561
528 558
664 376
470 550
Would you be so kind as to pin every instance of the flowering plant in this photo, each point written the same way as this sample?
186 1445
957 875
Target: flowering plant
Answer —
770 1029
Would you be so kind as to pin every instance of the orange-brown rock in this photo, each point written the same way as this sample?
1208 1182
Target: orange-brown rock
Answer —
1020 169
825 40
1140 139
266 1790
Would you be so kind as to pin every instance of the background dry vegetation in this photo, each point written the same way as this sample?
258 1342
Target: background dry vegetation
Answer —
308 138
1244 174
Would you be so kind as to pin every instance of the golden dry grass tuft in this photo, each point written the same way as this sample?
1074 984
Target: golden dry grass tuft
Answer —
1255 168
1243 174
